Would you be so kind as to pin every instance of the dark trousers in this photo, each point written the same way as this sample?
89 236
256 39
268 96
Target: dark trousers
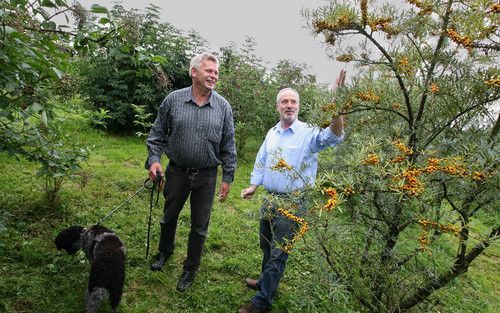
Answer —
275 230
200 187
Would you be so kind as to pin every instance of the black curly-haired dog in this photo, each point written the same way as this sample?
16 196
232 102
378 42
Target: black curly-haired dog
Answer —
106 254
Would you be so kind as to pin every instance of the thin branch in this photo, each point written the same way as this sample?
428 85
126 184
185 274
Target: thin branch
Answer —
445 196
423 100
370 62
30 5
98 40
448 124
60 12
480 205
496 128
401 83
495 47
417 47
402 227
375 109
372 218
361 299
406 259
53 31
377 205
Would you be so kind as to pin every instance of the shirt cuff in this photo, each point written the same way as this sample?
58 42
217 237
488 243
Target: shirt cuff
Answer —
256 180
227 178
330 134
150 160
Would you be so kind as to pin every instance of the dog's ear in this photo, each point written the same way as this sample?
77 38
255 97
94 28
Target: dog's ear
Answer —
69 239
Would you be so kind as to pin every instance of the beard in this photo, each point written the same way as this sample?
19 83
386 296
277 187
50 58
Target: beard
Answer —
289 119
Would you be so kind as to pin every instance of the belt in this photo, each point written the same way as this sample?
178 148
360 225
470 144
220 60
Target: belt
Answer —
286 194
191 170
281 194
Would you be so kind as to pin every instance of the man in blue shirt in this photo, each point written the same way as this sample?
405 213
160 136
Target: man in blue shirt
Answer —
294 145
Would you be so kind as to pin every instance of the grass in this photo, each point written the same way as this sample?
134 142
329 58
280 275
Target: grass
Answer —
35 277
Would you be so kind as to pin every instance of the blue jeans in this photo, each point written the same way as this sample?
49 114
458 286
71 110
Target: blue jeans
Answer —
275 230
178 187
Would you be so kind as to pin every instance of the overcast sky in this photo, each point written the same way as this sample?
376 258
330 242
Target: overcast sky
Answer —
276 25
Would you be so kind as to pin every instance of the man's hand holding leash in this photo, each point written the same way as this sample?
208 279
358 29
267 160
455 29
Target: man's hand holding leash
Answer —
155 171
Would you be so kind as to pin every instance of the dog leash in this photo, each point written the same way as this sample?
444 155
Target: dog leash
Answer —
126 201
158 184
148 184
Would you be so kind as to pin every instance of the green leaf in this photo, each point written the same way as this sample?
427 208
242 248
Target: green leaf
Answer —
126 73
10 87
116 53
50 25
42 12
49 4
159 59
58 72
8 30
143 57
43 118
36 107
125 49
103 20
16 2
98 9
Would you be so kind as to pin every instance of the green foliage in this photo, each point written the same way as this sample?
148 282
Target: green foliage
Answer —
420 155
142 119
33 53
290 74
59 160
36 277
138 66
98 119
430 86
251 90
243 83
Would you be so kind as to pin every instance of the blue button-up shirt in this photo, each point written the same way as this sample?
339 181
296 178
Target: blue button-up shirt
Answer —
298 146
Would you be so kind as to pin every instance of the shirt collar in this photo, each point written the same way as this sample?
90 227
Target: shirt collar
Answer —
293 128
188 97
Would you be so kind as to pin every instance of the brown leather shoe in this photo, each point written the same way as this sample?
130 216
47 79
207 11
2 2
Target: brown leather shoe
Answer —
251 283
250 308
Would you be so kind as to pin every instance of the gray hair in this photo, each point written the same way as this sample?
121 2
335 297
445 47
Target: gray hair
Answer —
199 58
282 91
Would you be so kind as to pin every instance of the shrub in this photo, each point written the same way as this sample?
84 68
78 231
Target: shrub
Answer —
419 164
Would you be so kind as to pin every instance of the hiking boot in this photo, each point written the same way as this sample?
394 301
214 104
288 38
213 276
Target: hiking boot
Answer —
186 281
159 261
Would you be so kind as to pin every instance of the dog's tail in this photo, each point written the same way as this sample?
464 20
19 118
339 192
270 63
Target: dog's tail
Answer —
94 299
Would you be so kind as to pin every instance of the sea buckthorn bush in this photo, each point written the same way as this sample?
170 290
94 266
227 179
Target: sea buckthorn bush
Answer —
409 201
